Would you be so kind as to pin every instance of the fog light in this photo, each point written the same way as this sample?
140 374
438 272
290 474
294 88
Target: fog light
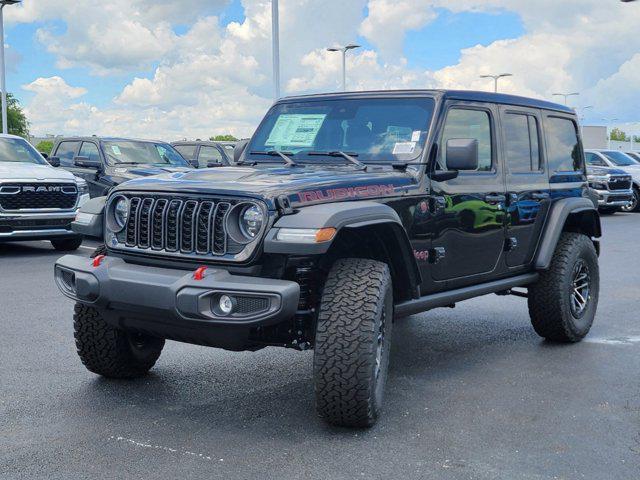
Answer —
226 304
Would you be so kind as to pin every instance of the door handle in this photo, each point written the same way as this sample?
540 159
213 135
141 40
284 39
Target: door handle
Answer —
493 198
540 195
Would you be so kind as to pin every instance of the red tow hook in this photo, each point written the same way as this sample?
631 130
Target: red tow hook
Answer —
98 260
199 273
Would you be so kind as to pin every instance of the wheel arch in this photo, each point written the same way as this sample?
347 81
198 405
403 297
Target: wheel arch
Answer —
576 214
365 229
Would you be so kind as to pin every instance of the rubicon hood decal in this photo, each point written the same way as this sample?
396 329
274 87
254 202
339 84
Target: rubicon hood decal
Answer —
361 191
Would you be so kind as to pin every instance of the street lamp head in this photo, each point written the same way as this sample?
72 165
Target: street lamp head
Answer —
333 49
506 74
9 2
351 46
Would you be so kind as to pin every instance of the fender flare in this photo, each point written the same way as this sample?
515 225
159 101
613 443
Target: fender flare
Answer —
90 218
580 213
344 216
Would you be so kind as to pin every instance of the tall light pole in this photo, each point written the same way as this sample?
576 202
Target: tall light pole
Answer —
582 116
608 121
3 77
566 95
496 78
344 50
275 47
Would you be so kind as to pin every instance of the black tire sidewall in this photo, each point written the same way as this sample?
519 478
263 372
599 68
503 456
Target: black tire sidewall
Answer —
378 384
579 327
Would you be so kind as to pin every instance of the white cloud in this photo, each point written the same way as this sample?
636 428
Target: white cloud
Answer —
214 78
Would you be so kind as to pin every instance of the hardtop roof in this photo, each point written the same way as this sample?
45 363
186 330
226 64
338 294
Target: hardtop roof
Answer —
464 95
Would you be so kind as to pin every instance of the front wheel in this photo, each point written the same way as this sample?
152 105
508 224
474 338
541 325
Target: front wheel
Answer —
634 204
353 338
563 302
66 244
109 351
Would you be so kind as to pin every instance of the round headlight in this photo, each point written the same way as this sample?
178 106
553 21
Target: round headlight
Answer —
121 212
250 221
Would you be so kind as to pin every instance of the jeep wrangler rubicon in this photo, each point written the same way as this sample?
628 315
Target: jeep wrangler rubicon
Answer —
344 212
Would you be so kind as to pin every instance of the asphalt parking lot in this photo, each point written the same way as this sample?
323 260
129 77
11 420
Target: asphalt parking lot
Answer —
473 393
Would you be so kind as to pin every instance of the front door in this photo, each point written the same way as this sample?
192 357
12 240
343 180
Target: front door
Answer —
469 210
91 175
528 196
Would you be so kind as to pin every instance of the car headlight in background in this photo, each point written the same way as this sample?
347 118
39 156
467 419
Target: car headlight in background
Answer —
245 222
82 187
599 182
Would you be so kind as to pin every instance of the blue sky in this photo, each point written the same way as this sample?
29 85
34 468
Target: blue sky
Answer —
182 69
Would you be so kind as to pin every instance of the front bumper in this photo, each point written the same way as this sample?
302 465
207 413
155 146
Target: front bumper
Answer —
171 303
36 226
614 198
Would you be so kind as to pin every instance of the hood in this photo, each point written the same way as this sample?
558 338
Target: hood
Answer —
32 171
136 171
592 170
303 184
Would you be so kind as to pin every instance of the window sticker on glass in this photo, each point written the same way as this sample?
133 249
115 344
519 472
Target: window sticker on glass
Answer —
116 149
404 148
399 134
296 130
415 136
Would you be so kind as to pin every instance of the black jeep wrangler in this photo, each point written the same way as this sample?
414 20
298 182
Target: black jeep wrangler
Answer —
344 212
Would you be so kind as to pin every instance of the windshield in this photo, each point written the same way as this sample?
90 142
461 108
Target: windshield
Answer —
132 152
372 129
620 159
19 150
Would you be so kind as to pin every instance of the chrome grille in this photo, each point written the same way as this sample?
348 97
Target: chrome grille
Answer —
38 196
619 182
185 225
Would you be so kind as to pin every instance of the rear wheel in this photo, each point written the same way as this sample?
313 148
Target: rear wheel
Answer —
66 244
109 351
352 342
563 303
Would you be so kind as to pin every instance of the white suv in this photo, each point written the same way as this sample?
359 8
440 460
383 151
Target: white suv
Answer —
621 161
37 201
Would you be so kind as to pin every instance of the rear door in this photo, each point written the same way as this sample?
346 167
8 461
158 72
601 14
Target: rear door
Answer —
528 197
468 223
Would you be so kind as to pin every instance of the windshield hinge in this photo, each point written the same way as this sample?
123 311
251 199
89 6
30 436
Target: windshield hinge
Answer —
284 205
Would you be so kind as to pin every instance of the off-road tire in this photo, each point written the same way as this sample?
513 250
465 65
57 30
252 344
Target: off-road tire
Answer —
109 351
550 299
635 206
348 367
66 244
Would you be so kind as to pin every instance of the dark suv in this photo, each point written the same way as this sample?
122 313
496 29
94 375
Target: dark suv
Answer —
345 212
105 162
203 154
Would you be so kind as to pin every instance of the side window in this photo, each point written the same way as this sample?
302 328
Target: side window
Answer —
521 141
90 150
564 152
209 155
187 151
465 123
65 152
593 159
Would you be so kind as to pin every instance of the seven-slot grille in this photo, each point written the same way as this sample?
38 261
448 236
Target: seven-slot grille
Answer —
619 182
179 225
38 196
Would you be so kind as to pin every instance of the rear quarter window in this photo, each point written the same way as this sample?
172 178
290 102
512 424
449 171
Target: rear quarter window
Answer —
563 145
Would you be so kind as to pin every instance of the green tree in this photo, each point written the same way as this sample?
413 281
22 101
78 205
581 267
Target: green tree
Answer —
619 135
45 146
224 138
636 139
17 120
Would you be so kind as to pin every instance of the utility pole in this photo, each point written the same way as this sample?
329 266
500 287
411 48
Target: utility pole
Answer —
275 48
496 78
3 78
344 50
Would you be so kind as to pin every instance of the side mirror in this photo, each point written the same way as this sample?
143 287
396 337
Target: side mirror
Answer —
193 162
462 154
238 150
86 162
45 155
53 161
213 164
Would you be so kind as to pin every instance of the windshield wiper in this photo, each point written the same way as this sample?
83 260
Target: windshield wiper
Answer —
347 156
277 153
